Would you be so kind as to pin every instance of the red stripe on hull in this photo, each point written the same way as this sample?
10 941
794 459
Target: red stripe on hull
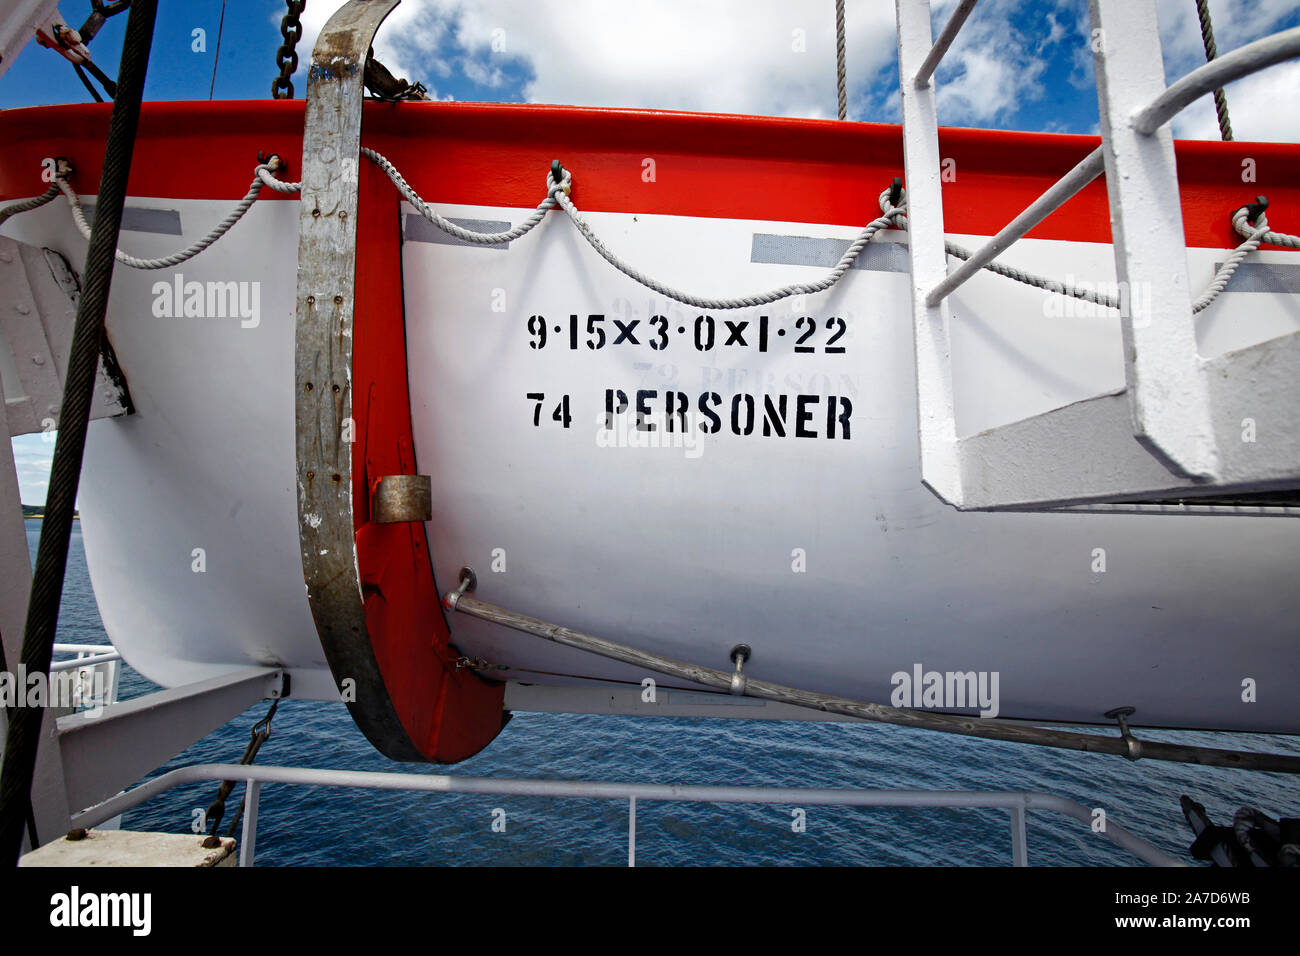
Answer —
714 165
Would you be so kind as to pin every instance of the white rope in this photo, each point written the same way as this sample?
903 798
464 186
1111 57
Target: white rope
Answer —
558 195
468 235
742 302
29 204
1253 238
897 214
1269 237
264 177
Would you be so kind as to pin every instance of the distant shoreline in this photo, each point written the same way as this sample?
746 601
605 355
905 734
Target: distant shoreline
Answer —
38 512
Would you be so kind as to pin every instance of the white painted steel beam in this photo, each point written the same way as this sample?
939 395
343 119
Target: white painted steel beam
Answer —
18 26
937 425
1084 452
1024 464
49 806
1167 394
1255 404
1172 431
104 753
38 291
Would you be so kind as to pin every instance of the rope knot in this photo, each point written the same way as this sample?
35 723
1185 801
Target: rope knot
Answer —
893 205
559 178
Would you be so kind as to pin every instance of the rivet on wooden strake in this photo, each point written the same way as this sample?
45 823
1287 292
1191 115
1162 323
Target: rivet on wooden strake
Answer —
402 498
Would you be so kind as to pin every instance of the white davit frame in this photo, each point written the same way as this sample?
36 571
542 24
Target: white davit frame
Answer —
1174 431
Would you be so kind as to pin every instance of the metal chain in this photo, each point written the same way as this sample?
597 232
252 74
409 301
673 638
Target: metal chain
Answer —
286 58
260 733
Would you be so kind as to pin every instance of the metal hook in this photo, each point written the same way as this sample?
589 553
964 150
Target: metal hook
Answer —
273 161
739 654
895 191
1122 714
557 177
468 582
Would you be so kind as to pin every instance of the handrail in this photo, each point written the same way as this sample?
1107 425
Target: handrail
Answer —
941 45
1016 802
80 662
1088 169
62 648
1205 79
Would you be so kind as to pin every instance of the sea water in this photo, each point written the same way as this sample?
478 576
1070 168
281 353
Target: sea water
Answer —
319 826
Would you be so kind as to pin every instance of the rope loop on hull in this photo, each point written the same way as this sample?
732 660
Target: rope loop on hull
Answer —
893 208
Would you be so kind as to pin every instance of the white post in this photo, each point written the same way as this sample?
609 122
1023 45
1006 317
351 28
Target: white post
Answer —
1168 395
248 841
631 831
1019 840
936 421
49 795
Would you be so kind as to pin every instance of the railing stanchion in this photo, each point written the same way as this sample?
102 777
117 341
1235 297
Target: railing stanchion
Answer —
247 846
631 831
1019 840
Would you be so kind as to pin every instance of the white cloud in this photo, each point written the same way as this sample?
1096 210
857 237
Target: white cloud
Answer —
1253 102
33 455
408 43
743 57
1259 107
767 57
763 56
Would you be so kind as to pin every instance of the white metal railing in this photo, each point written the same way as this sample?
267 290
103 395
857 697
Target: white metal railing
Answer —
1015 803
1182 411
90 661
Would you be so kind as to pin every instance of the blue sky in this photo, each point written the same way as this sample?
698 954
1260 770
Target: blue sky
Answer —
1018 64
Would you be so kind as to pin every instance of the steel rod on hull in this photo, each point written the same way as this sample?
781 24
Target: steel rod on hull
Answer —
967 726
69 449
